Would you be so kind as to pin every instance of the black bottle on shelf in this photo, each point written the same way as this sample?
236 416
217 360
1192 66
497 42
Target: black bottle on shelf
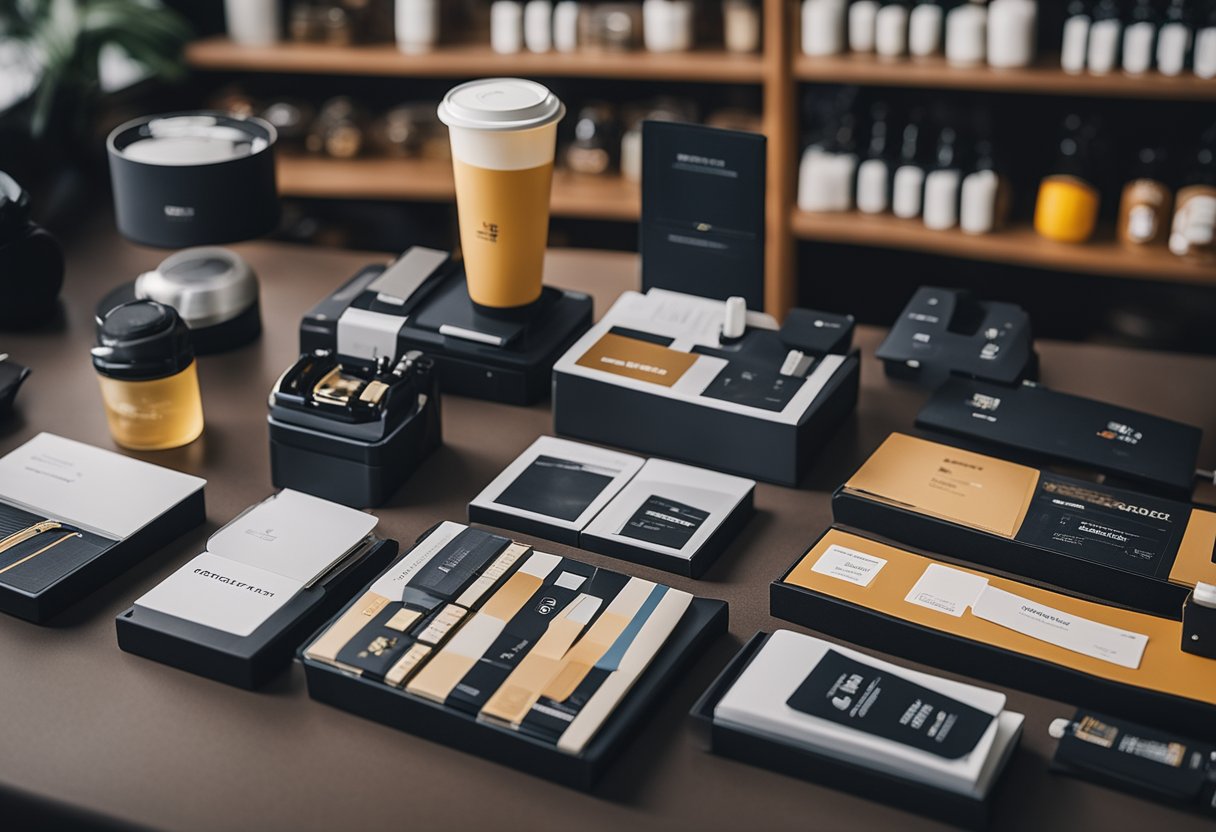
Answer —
1105 36
1078 17
874 171
943 182
908 181
1140 37
1175 38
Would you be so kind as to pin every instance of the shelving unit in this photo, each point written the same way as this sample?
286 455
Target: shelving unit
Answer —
1019 245
777 70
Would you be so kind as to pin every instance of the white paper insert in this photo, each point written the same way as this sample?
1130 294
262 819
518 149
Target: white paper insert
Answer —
848 565
99 491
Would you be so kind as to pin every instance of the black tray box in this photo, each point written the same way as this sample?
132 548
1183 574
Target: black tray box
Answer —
762 752
249 661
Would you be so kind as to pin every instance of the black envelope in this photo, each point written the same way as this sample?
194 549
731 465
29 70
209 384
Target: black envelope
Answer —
702 229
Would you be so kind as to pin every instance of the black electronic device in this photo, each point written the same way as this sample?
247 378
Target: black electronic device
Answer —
31 261
420 302
1036 424
349 432
942 332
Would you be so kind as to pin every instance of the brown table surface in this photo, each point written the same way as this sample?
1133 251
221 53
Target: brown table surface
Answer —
90 726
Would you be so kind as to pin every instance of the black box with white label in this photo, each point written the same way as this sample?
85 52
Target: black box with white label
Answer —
420 302
73 516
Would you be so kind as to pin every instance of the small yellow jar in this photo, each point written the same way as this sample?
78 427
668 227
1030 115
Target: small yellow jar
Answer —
1067 209
148 376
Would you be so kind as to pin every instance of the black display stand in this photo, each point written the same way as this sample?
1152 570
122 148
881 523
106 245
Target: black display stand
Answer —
764 752
249 661
704 621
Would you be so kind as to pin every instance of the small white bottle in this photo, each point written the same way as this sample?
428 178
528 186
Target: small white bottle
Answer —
908 181
667 25
565 25
1075 44
1012 28
942 184
506 26
1105 36
977 213
863 16
966 34
252 22
538 25
1174 40
417 25
925 29
891 30
1205 48
741 26
823 27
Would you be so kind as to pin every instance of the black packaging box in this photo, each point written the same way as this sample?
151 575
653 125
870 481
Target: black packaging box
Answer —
868 627
1035 425
250 661
1179 537
348 471
39 598
704 621
764 752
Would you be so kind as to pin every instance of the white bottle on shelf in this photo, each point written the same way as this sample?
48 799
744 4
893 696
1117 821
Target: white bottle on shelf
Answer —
1205 47
823 27
506 26
925 29
1174 40
417 25
667 25
538 25
1075 43
252 22
966 34
908 182
1012 30
1105 35
863 16
942 184
891 30
977 213
565 25
1139 38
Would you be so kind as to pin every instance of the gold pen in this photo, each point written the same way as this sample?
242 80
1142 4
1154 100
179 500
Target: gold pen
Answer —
17 538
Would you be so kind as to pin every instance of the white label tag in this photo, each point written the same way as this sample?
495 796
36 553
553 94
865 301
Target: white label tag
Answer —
947 590
848 565
1062 629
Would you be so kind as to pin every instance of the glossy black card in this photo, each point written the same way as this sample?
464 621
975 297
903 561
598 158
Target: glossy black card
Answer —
702 229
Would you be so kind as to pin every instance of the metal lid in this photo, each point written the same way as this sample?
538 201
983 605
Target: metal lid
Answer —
190 139
500 104
207 285
142 340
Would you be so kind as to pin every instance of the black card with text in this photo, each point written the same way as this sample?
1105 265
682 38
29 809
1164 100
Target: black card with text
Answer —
864 698
664 522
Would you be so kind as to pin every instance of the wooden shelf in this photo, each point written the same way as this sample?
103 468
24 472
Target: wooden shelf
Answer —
473 60
1019 246
1045 79
427 180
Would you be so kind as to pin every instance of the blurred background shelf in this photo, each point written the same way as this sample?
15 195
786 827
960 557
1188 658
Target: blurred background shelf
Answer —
473 60
1044 79
1018 245
430 180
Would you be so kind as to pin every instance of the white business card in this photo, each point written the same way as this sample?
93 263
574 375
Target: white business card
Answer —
848 565
947 590
216 592
1080 635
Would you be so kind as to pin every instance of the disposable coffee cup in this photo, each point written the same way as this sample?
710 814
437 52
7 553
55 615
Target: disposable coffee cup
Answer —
503 133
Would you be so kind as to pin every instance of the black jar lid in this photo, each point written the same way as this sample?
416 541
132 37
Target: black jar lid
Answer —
142 340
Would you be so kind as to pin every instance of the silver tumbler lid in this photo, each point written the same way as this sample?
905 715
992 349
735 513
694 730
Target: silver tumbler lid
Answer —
207 285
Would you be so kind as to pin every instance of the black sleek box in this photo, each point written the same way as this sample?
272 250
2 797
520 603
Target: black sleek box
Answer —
1037 425
250 661
1134 549
868 627
702 226
704 621
61 480
767 753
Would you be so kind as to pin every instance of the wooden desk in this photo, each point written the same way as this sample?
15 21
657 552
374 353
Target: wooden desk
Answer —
92 727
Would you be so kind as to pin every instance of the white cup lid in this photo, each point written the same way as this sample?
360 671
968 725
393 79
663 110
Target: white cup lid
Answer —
500 104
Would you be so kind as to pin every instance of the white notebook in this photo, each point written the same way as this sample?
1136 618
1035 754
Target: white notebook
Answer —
757 703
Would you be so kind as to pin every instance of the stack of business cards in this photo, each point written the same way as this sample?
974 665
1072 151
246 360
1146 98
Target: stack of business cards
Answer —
841 704
650 511
539 645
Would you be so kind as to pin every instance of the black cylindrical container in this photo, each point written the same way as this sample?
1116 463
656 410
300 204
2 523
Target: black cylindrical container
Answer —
194 178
